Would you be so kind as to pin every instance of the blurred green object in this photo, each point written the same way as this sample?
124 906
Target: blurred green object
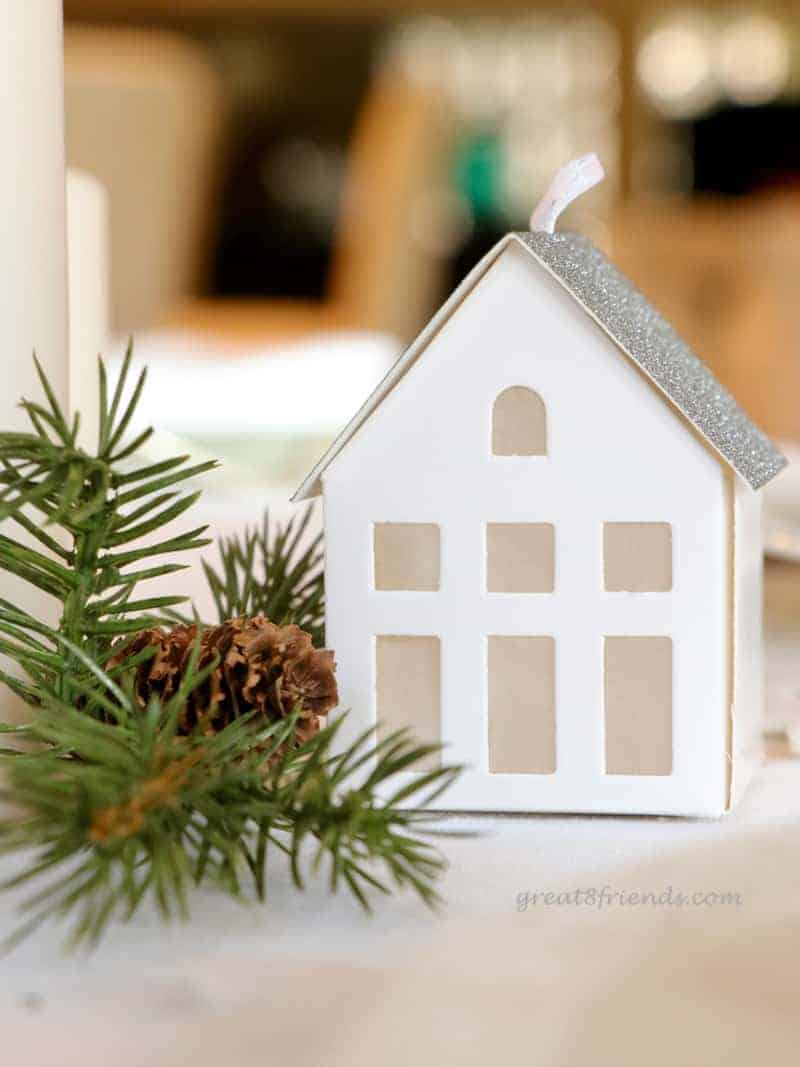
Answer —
478 173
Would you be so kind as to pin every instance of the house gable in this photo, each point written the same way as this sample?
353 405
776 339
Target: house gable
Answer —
636 329
519 329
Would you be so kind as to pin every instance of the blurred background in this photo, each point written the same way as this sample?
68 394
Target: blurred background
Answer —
296 184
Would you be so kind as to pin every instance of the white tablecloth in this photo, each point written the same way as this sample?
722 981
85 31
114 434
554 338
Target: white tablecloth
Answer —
309 979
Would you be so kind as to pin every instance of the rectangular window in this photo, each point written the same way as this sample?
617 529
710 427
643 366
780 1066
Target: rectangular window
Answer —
637 557
638 705
406 556
522 720
408 688
520 557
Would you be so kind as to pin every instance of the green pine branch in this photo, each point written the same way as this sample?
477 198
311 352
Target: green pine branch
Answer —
126 810
116 805
88 514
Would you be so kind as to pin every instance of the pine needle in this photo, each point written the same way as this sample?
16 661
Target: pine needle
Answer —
272 572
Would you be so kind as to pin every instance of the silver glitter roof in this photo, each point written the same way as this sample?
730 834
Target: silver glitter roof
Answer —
646 336
634 325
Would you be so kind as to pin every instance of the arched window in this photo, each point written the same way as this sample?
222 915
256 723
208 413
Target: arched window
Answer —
519 423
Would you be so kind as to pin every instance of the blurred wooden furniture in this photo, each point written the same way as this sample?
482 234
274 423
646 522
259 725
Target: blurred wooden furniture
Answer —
722 272
144 115
385 275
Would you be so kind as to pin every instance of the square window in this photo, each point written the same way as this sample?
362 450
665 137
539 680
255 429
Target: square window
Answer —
637 557
520 557
408 688
406 556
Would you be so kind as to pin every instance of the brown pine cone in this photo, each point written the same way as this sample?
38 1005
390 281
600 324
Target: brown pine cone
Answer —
263 667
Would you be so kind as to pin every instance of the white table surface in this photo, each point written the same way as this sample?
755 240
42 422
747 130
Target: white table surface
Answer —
308 978
303 962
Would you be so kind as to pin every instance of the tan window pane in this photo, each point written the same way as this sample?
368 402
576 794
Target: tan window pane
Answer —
522 721
638 705
409 688
519 423
519 557
638 557
406 556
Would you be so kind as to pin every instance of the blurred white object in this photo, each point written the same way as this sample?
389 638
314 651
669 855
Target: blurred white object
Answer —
265 411
754 59
570 182
311 385
792 728
89 294
33 236
144 114
675 64
32 209
782 510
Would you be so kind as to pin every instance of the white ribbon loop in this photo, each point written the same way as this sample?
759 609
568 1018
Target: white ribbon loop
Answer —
573 179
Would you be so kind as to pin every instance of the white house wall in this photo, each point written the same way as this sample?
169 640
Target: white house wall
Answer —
748 680
616 452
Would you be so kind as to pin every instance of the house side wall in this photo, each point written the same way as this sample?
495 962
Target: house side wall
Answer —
617 452
748 677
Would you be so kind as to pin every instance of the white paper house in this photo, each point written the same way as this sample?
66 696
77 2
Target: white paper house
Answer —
543 547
